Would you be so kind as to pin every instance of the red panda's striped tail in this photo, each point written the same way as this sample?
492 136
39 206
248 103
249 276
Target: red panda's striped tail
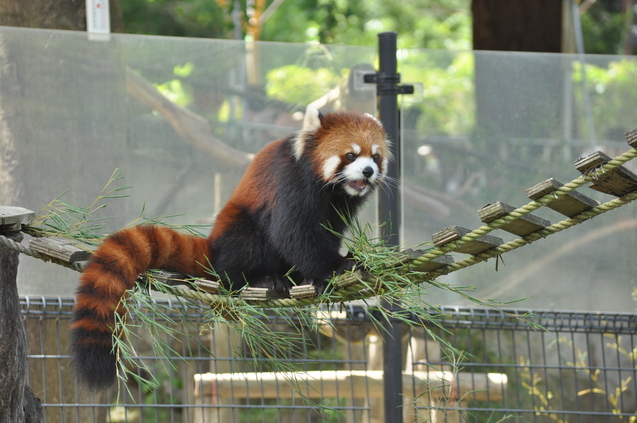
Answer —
111 271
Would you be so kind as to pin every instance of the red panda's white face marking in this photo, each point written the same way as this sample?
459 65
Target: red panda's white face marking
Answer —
362 173
330 167
347 149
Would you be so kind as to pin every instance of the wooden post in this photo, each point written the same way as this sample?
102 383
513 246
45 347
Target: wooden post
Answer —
18 404
215 409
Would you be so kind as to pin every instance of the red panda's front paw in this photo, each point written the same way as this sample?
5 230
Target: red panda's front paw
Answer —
275 282
348 264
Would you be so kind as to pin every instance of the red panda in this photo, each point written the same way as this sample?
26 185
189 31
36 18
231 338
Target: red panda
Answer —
280 226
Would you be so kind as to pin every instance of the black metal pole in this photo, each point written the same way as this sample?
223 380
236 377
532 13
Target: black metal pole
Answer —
387 80
389 214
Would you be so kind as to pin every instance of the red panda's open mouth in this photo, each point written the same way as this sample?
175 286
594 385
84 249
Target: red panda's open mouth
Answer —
359 185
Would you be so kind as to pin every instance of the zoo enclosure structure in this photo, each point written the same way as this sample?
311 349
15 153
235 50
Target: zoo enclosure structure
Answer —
434 382
440 187
582 367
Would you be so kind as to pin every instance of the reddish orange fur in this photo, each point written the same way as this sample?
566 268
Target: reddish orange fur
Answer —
112 270
363 132
274 221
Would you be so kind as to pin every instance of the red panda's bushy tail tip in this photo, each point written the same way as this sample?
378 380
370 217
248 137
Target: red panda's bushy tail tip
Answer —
111 271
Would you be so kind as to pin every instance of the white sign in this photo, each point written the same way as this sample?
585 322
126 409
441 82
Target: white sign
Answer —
98 18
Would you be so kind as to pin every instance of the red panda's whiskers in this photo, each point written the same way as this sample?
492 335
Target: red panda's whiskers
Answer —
388 181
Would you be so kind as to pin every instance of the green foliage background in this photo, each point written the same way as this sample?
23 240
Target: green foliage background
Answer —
436 24
421 24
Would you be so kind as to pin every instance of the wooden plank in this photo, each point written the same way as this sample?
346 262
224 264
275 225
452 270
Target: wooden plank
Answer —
434 264
351 279
618 182
60 248
174 278
211 287
361 383
454 233
12 218
571 204
169 278
521 226
631 138
262 294
587 163
427 266
303 291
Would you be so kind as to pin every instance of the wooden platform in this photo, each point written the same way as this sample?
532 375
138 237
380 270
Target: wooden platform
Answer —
60 248
618 182
631 138
261 294
454 233
174 279
12 218
303 291
570 204
428 266
522 226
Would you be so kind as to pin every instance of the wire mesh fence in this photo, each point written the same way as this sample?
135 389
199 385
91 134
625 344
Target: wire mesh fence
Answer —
576 367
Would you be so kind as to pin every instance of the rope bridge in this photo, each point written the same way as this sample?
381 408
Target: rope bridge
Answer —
408 267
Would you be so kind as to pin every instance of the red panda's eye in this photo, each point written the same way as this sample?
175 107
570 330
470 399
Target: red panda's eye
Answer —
351 156
375 157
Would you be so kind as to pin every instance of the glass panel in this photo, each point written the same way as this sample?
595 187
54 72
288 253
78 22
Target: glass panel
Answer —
74 110
489 125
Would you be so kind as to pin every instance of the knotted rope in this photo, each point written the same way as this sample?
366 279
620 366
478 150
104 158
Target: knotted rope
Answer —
361 285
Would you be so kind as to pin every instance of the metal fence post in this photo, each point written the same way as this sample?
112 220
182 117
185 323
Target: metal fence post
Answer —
389 212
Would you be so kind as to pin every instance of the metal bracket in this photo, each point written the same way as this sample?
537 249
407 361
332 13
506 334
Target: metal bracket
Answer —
388 83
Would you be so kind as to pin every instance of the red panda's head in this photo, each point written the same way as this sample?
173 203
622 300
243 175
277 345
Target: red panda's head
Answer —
349 149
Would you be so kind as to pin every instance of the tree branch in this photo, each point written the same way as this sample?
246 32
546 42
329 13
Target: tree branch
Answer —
191 127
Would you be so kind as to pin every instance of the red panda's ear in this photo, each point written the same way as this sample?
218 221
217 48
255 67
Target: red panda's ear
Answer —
311 122
374 118
312 119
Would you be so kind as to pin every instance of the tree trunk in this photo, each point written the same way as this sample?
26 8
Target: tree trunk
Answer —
517 25
54 14
17 402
